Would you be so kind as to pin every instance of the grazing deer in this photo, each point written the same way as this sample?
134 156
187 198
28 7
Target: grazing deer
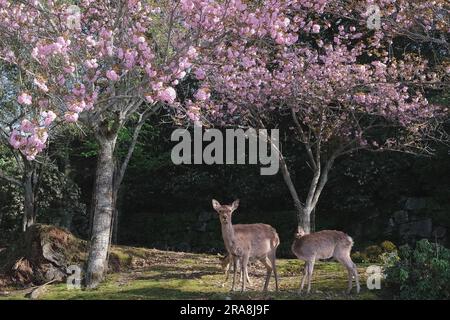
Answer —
226 263
245 241
323 245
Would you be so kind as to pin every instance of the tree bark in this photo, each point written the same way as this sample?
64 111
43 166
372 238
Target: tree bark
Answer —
288 181
102 212
116 213
108 179
306 213
29 207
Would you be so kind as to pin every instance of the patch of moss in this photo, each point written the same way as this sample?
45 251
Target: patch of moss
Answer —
191 276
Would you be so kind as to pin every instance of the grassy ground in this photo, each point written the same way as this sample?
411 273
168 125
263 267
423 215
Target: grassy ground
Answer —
153 274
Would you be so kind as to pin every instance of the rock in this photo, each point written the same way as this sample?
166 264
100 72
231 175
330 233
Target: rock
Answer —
439 232
390 226
400 216
36 293
54 273
415 204
419 228
41 255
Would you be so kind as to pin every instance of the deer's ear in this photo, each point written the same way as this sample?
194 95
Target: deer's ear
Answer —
216 205
235 204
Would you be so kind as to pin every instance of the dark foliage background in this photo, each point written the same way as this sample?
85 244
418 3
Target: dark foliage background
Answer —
373 197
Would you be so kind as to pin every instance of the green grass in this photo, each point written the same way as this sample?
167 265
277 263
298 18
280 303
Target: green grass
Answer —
171 275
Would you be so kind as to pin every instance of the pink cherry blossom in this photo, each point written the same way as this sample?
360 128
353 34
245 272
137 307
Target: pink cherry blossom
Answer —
16 140
202 94
315 28
27 126
41 85
71 117
49 117
167 95
200 74
112 75
24 98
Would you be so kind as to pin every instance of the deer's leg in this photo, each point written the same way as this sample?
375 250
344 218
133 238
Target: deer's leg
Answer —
305 274
355 273
352 272
274 267
235 260
248 278
244 264
267 263
310 272
350 281
240 272
229 260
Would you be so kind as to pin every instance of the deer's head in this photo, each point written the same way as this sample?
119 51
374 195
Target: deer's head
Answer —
225 211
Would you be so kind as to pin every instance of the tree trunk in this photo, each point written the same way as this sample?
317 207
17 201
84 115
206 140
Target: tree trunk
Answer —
313 220
102 212
305 221
29 208
115 214
115 227
287 179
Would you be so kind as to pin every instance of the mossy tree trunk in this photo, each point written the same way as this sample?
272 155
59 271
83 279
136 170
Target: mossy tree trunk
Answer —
103 210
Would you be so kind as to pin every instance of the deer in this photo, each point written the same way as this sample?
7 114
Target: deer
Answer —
324 244
244 241
226 263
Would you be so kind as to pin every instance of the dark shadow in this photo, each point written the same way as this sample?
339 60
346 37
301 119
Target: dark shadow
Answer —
159 293
176 275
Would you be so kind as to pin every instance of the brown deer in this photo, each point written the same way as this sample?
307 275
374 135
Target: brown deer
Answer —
245 241
324 245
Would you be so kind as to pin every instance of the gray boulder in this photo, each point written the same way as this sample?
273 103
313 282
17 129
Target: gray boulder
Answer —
420 228
401 216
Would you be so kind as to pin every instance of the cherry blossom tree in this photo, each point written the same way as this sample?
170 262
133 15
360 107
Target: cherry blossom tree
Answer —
20 136
106 64
339 82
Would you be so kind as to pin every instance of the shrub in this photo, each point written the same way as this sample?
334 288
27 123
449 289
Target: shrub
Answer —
388 246
373 253
359 257
422 272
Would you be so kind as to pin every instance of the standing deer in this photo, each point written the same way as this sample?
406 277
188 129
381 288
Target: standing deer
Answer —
323 245
245 241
